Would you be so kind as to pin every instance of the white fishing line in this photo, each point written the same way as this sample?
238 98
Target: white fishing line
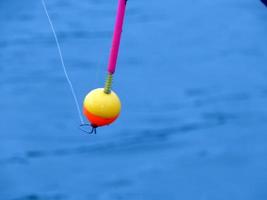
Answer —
63 64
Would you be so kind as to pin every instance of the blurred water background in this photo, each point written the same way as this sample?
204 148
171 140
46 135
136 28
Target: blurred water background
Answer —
192 79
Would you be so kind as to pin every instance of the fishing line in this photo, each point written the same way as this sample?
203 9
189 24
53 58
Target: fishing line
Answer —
63 63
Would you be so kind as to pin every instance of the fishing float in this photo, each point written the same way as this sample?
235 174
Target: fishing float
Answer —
102 106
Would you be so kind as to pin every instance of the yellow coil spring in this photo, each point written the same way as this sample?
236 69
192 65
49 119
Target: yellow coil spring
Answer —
108 84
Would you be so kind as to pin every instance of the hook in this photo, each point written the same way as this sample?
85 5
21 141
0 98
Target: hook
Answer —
93 130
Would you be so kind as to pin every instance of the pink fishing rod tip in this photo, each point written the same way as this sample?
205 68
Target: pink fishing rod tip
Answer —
117 37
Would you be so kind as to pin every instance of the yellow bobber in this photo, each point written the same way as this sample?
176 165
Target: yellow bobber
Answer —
101 108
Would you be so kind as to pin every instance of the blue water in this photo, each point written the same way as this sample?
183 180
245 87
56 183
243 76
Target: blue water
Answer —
192 80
